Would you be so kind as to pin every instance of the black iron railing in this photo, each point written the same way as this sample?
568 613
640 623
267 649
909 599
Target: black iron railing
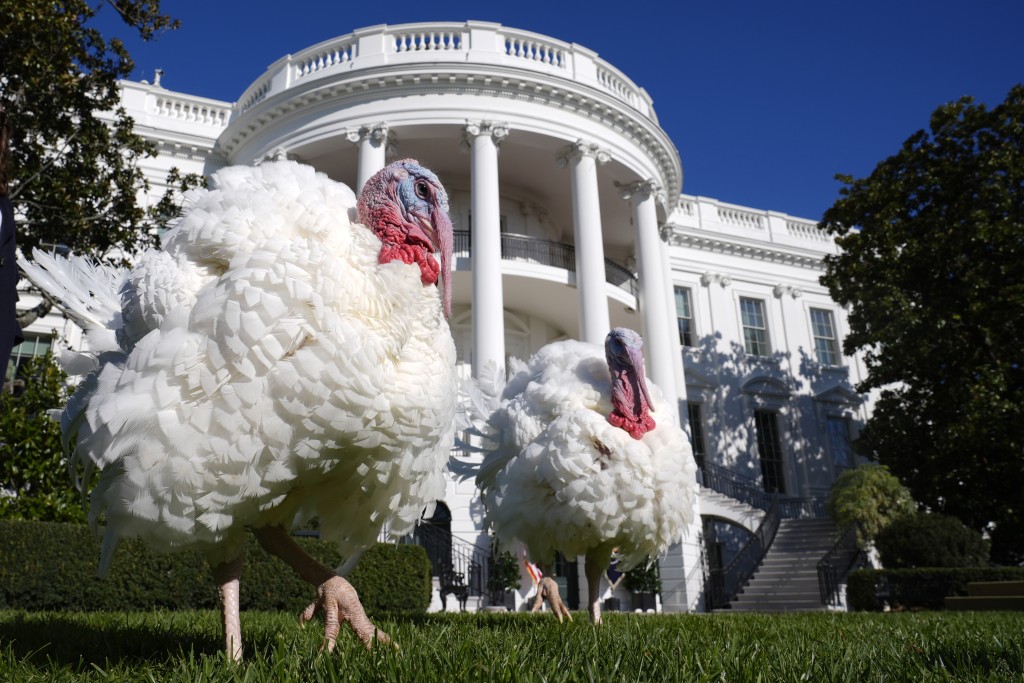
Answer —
460 567
548 253
750 491
837 564
724 584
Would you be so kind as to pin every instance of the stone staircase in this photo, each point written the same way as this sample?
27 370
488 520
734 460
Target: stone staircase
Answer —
787 580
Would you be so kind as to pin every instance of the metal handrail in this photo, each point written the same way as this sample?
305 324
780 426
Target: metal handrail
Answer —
726 583
747 490
837 563
543 252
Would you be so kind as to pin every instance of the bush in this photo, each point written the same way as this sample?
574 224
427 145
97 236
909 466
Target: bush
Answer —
871 589
503 574
643 578
46 565
930 540
869 496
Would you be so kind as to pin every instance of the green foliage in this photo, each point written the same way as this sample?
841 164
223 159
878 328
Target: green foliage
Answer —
185 647
932 268
872 589
33 470
930 540
870 497
45 565
503 573
643 578
74 168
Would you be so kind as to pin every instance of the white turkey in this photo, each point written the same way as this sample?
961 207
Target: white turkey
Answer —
581 455
274 361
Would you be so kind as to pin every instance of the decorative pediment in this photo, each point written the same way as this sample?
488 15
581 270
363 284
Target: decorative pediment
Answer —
697 381
839 395
766 387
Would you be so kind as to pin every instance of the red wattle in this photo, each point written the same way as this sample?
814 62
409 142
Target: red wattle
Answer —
635 427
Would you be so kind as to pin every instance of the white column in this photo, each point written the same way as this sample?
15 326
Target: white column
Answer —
483 138
582 158
373 144
670 314
656 330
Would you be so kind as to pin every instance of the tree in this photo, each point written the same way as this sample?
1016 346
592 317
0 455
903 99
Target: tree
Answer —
74 155
33 470
932 269
871 497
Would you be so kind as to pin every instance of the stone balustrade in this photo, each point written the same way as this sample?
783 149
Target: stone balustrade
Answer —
475 43
708 215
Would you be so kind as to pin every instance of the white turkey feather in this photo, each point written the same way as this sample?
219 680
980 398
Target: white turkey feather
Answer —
558 476
270 370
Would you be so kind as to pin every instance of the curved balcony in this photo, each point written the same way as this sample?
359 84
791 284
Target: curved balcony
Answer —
547 253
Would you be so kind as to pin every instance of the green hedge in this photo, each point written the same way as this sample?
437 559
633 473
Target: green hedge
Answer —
52 566
870 589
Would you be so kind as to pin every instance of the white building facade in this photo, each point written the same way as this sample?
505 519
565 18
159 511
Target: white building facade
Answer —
566 201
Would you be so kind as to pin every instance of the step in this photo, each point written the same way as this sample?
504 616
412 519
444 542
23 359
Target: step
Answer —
986 603
1010 588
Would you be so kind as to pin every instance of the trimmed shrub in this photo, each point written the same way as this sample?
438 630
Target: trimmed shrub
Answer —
869 496
930 540
52 566
872 589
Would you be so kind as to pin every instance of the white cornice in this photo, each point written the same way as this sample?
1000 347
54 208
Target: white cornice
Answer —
747 249
381 84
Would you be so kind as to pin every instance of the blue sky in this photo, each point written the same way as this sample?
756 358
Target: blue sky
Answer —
766 101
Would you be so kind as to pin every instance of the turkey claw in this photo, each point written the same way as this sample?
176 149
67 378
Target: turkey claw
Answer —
339 603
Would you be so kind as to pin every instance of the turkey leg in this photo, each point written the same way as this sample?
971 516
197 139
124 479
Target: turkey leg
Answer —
227 576
596 562
334 595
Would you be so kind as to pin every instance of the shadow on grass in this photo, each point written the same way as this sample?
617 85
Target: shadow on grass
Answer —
80 640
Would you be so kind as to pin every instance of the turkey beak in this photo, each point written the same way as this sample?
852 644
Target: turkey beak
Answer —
443 238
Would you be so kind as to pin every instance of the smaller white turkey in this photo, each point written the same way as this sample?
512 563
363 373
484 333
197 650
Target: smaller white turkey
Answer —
581 455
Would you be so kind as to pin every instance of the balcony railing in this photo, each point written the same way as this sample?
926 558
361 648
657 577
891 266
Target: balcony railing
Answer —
546 253
478 43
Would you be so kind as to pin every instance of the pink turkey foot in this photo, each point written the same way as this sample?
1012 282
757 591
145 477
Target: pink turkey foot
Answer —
547 590
337 600
335 597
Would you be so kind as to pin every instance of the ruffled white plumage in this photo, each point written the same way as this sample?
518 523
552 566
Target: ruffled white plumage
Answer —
269 369
557 476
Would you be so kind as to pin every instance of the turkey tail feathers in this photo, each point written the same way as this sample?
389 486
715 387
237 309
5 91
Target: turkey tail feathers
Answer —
85 290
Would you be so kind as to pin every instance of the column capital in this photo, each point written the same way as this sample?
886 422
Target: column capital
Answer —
579 149
780 290
379 133
641 189
707 278
497 130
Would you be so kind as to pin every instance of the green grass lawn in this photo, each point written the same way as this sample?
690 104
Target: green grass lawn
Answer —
185 646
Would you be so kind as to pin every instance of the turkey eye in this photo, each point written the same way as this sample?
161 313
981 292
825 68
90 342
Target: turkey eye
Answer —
422 191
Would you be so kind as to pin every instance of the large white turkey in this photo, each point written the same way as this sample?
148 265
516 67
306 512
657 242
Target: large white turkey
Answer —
274 361
582 455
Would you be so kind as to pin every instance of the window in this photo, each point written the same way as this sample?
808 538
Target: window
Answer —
769 448
684 316
823 329
32 347
696 433
755 327
839 443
